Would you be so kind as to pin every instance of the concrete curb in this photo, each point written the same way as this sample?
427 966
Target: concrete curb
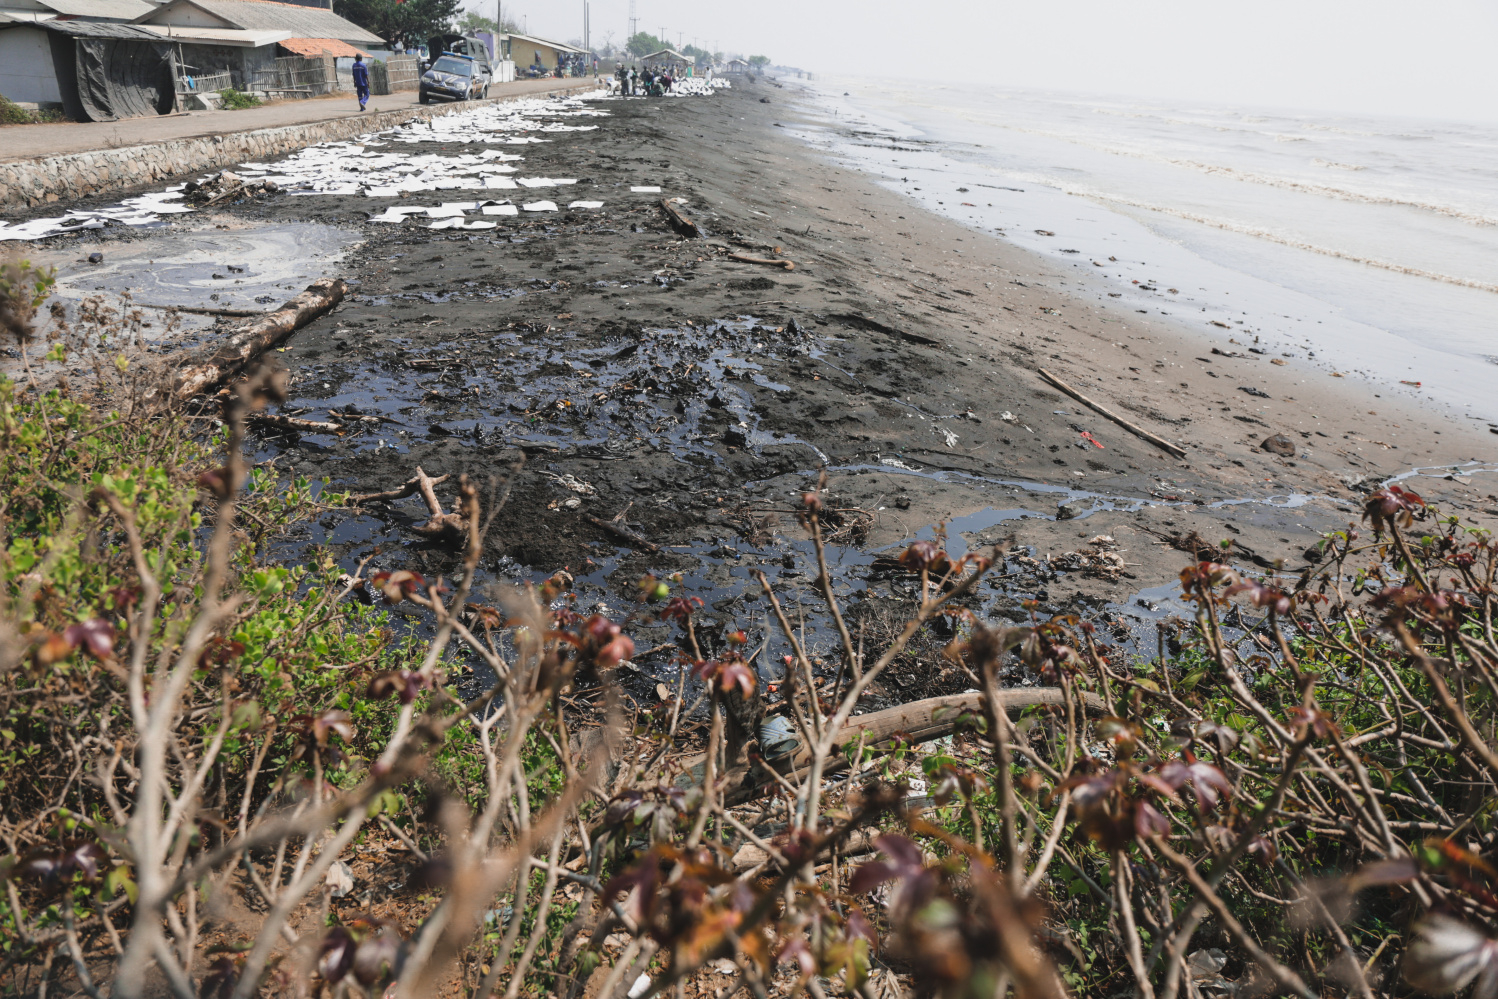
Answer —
75 175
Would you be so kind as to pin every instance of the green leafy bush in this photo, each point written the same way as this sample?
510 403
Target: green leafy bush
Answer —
236 100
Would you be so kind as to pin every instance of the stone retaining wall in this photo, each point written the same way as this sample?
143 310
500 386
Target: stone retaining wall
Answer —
76 175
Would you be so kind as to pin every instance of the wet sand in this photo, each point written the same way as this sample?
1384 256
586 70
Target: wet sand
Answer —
599 363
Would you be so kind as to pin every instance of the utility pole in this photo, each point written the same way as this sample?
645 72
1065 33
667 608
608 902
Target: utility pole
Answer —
634 23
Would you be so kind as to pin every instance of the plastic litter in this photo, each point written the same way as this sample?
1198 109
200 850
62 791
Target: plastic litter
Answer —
645 190
540 206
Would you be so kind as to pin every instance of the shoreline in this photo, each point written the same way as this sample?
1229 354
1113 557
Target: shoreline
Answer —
599 365
1327 304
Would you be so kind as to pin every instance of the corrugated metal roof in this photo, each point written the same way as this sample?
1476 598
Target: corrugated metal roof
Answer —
219 36
302 22
668 53
86 29
120 10
559 46
319 46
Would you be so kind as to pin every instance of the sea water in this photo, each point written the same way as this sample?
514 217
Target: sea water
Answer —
1359 245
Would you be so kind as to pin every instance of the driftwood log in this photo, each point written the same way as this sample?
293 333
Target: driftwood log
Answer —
204 369
1102 410
295 423
621 530
679 221
745 258
916 722
200 311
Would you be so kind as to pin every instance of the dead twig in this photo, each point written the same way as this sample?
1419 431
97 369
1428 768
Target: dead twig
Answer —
1133 428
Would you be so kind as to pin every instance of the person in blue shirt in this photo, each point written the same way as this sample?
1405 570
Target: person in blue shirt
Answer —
361 81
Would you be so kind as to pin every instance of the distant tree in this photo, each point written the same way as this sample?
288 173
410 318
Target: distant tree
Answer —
409 23
608 44
643 43
759 61
471 24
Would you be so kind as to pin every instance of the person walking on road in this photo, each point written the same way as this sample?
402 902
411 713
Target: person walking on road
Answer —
361 81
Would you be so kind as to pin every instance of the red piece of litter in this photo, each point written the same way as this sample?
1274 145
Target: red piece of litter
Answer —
1091 439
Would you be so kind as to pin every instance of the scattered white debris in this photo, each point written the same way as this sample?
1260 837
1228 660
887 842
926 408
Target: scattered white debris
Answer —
645 190
540 206
586 204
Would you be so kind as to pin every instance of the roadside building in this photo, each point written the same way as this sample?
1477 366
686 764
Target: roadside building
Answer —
236 43
538 56
736 67
118 11
82 56
92 70
668 61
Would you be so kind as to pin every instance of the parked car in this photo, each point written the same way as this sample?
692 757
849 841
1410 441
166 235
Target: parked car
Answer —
454 77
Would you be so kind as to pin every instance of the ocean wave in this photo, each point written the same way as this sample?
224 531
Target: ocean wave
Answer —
1259 232
1457 212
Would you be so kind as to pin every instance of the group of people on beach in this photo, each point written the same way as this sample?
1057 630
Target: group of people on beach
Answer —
649 83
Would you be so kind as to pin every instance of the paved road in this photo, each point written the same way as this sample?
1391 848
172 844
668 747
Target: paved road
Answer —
19 142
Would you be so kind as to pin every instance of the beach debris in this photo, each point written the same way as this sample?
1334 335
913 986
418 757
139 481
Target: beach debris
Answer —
679 220
1044 232
1217 322
1257 393
1098 408
572 482
887 730
1404 382
448 527
1229 353
397 214
1092 440
96 258
1278 444
224 186
1101 559
620 529
1277 360
1072 509
1008 417
540 206
281 422
586 204
146 209
457 223
505 209
203 369
950 437
645 190
745 258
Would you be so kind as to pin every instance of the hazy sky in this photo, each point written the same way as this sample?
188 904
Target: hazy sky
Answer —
1426 58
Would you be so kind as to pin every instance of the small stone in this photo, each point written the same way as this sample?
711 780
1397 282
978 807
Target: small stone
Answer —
735 437
1279 444
1070 510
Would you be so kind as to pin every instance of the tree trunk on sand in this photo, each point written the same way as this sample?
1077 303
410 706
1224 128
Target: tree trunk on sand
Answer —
206 368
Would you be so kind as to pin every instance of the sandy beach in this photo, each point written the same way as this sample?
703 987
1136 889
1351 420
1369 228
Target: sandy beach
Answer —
600 364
